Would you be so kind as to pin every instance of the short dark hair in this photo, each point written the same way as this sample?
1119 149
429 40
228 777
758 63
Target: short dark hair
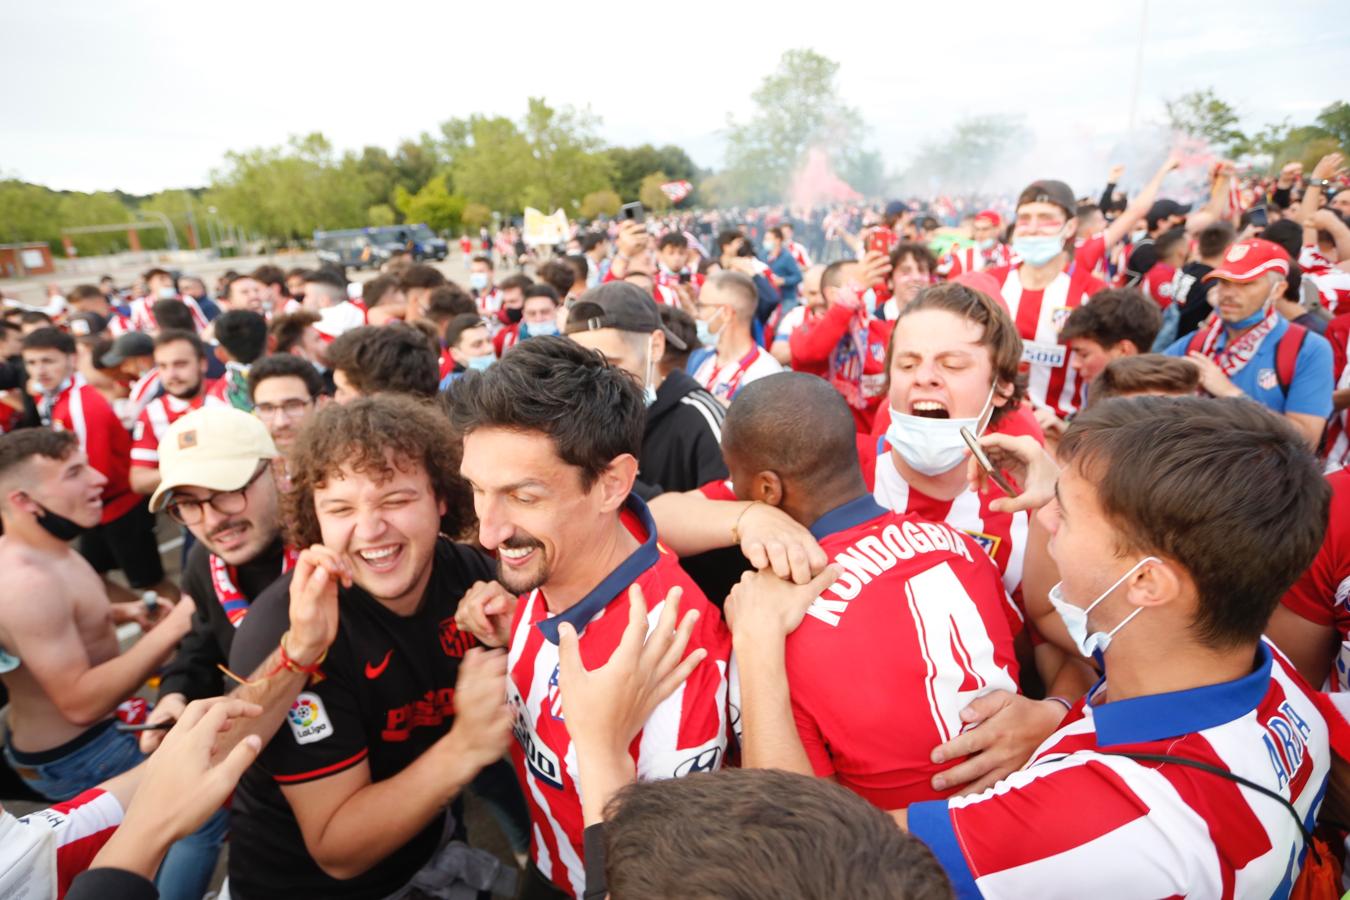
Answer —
420 275
485 260
592 411
282 365
726 237
325 275
922 256
49 338
1215 238
1147 373
1113 315
243 334
286 331
749 829
557 274
1164 469
673 239
172 335
86 292
1164 242
360 435
592 240
543 290
460 324
832 276
581 269
681 324
298 272
17 447
31 316
173 314
394 358
799 426
272 276
376 289
515 282
151 273
776 232
447 301
1086 209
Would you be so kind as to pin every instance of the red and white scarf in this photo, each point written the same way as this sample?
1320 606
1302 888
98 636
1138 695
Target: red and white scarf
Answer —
232 600
1237 353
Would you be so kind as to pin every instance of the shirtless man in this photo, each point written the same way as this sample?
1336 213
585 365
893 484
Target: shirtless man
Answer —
61 663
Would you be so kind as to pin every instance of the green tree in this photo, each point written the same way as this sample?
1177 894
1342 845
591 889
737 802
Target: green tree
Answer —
1202 114
629 165
1335 121
433 204
797 107
600 203
476 216
380 214
650 192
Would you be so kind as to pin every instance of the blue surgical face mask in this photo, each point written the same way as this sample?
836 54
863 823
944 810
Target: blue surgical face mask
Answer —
539 329
648 383
985 244
1076 617
478 281
706 336
481 362
933 446
1038 250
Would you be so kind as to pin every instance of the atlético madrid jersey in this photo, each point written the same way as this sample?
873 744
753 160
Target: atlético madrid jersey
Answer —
1322 593
1080 821
687 733
917 627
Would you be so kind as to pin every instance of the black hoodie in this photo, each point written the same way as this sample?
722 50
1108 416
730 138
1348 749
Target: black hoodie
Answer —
682 451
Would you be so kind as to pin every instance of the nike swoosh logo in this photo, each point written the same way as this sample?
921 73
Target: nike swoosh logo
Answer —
373 672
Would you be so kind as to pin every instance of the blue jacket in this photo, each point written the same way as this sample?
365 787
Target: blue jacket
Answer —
786 268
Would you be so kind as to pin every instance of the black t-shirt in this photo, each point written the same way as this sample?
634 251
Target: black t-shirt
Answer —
1192 294
387 694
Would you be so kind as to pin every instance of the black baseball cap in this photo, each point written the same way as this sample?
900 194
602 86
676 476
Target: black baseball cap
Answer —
131 344
1049 190
622 306
1161 209
85 324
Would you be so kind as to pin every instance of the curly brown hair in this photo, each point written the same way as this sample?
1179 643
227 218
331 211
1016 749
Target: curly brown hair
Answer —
360 436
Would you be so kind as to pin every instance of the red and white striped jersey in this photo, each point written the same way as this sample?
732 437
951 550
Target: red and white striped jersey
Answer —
41 853
1322 593
156 418
1088 822
143 390
959 260
1002 535
80 408
687 733
800 255
489 302
1333 284
1039 316
143 317
1338 428
917 626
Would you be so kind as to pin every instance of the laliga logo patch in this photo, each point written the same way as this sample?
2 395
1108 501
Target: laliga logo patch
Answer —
187 439
1267 379
1237 252
308 719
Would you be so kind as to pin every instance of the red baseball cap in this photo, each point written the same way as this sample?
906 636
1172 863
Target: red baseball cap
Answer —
990 216
1249 260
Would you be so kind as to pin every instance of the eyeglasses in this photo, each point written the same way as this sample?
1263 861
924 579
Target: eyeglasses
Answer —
292 408
189 510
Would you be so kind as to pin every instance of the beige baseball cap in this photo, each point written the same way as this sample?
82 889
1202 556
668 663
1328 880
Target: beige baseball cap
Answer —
215 447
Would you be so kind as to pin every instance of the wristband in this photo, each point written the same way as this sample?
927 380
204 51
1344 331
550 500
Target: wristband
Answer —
291 665
1067 705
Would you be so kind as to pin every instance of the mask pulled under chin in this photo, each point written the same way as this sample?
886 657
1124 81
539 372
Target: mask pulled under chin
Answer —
58 526
933 446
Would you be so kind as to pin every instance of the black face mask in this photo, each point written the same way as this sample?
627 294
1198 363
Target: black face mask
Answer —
58 526
513 315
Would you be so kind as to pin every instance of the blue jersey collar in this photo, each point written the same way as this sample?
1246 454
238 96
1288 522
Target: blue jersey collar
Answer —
1157 717
849 515
641 559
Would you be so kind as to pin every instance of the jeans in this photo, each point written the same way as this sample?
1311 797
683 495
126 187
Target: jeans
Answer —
190 863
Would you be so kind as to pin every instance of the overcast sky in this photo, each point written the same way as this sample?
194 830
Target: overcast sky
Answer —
148 95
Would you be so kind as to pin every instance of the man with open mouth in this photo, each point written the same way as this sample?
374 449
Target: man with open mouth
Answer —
552 434
351 798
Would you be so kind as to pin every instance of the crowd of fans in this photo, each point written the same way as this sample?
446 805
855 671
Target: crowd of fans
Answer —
983 549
